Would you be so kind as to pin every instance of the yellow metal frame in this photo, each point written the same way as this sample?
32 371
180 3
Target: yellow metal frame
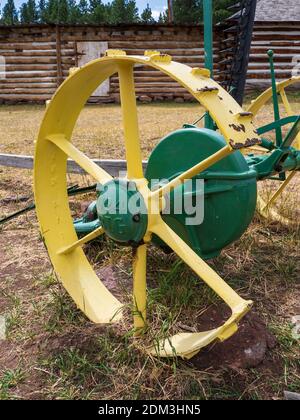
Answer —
65 249
266 209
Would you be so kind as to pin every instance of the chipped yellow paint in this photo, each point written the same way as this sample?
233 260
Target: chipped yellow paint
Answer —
197 71
115 53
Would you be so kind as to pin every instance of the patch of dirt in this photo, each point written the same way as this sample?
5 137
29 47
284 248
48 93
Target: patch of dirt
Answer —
248 348
115 281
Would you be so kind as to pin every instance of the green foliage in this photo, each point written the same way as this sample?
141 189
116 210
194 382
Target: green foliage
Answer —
123 11
146 15
97 12
9 14
10 379
191 11
163 17
29 12
42 11
74 12
83 11
187 11
220 9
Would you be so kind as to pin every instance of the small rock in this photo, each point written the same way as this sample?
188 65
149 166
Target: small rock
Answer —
145 99
179 100
296 327
2 327
244 350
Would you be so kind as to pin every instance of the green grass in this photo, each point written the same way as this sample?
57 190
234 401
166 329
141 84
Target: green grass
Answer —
10 379
69 358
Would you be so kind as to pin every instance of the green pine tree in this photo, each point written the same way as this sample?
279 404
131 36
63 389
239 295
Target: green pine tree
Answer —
98 12
123 11
163 17
56 11
146 15
52 14
28 12
23 13
220 9
42 11
187 11
84 11
10 14
63 11
74 12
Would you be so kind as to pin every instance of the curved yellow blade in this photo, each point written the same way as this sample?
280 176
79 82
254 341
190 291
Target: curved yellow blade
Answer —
187 345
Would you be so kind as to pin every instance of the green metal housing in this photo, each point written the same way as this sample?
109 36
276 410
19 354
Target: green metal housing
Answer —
230 189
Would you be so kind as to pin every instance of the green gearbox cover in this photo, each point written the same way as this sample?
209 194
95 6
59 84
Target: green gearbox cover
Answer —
122 212
229 191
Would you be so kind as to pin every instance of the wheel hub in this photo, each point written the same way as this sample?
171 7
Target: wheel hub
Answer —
122 212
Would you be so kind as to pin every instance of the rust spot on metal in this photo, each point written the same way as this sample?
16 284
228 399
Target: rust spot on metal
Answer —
238 128
208 89
248 143
245 114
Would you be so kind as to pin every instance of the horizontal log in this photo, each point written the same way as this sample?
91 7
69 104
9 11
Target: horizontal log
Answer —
29 91
30 81
37 60
32 87
13 97
30 67
157 90
34 46
27 74
159 45
38 53
12 39
113 167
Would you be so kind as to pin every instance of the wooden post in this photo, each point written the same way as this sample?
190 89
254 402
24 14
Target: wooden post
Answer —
170 11
59 76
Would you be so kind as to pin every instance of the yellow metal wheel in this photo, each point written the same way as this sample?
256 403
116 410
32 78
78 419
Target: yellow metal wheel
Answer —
273 200
65 249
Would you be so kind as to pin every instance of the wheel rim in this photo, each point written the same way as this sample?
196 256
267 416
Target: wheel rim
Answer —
266 206
56 224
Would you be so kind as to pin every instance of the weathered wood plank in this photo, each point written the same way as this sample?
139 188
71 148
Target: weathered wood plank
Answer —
113 167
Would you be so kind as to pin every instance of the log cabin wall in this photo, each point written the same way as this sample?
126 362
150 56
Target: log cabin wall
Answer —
284 39
38 57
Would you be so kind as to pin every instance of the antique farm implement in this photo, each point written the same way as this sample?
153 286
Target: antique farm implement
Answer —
230 155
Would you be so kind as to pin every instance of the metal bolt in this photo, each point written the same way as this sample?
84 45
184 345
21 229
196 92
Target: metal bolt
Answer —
136 218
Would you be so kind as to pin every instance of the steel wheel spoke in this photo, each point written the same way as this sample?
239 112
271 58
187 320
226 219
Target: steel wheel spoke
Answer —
289 112
80 158
190 173
286 103
88 238
140 287
280 190
130 122
203 270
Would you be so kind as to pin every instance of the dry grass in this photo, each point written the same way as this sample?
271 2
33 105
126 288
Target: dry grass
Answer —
52 351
